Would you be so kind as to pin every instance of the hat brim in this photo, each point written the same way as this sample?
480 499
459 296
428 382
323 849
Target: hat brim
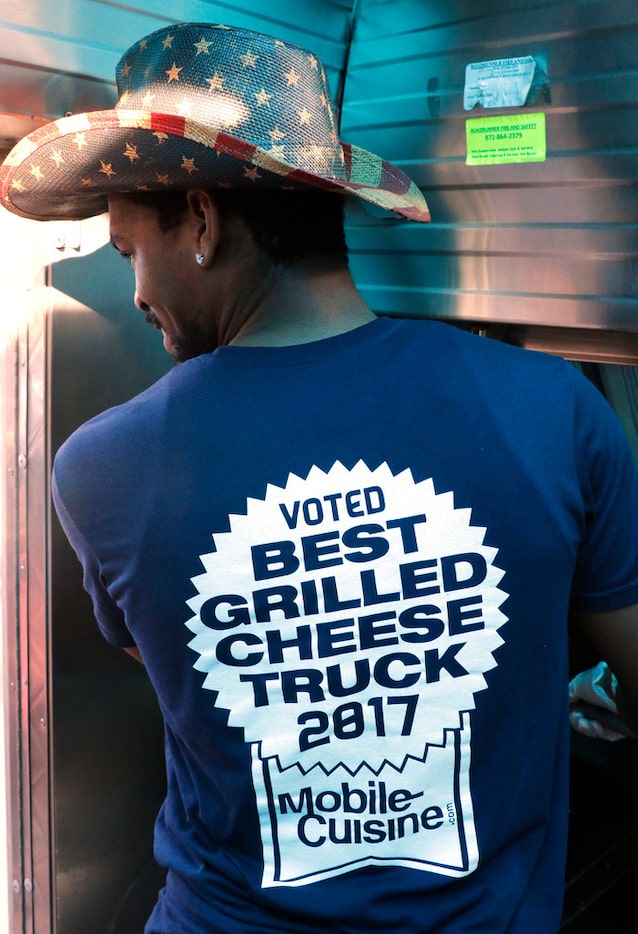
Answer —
67 168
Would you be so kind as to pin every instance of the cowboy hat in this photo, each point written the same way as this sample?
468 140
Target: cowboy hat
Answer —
201 106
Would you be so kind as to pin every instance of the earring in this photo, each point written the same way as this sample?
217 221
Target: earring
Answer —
199 259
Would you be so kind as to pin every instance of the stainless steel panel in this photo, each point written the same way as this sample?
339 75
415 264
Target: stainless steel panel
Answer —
10 861
107 744
535 245
24 693
85 749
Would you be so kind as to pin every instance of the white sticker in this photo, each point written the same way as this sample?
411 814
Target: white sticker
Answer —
502 83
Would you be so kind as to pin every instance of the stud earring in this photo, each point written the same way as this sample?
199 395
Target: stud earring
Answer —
199 259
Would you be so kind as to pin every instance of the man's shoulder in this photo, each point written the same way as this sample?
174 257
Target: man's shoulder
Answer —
117 421
458 345
120 434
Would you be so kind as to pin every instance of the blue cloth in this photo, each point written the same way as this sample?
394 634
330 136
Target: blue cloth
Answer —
348 566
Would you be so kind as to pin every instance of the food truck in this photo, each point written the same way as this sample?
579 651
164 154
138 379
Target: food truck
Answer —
519 121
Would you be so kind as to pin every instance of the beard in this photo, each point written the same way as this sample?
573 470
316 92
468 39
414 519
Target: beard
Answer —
192 342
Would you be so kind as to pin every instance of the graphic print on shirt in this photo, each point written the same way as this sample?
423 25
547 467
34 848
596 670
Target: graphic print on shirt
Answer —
346 622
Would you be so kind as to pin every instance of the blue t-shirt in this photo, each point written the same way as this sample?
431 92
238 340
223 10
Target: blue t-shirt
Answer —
348 565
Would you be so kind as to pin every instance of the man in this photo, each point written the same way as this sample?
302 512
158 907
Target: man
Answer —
345 548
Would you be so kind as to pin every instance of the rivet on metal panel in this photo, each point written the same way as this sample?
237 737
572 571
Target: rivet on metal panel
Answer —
67 236
22 461
16 886
28 885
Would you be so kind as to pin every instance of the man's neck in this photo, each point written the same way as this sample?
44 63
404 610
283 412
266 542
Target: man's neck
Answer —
304 305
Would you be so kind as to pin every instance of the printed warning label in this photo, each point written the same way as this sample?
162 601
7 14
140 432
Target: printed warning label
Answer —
509 138
504 82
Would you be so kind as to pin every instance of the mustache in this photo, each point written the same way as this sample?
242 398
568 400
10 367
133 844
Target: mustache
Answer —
151 318
192 342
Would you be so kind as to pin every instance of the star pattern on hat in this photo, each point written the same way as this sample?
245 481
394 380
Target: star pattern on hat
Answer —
203 46
301 80
195 103
179 70
189 165
292 78
216 82
263 97
131 152
249 60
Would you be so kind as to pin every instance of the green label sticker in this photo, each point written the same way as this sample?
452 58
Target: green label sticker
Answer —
509 138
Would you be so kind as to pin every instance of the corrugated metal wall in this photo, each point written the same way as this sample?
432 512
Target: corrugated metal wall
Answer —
546 249
543 248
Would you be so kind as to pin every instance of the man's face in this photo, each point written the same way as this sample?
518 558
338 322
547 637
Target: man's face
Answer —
165 276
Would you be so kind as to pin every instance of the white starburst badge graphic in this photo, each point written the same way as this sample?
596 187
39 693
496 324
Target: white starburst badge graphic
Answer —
346 622
348 617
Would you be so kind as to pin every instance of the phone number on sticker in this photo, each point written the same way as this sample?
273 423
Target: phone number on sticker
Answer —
490 137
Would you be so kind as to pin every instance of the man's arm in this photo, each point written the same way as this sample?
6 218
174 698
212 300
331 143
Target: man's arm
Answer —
614 636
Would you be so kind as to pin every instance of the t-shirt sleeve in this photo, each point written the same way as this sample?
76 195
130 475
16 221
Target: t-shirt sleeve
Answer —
606 576
108 615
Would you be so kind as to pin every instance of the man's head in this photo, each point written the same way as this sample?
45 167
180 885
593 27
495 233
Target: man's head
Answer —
204 261
203 106
288 227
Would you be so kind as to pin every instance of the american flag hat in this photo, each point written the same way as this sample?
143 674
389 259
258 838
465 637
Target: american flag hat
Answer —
201 106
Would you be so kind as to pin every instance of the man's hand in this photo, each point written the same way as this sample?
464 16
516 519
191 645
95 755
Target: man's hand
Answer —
592 704
614 636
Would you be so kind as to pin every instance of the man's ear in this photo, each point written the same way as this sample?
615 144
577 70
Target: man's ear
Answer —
206 225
